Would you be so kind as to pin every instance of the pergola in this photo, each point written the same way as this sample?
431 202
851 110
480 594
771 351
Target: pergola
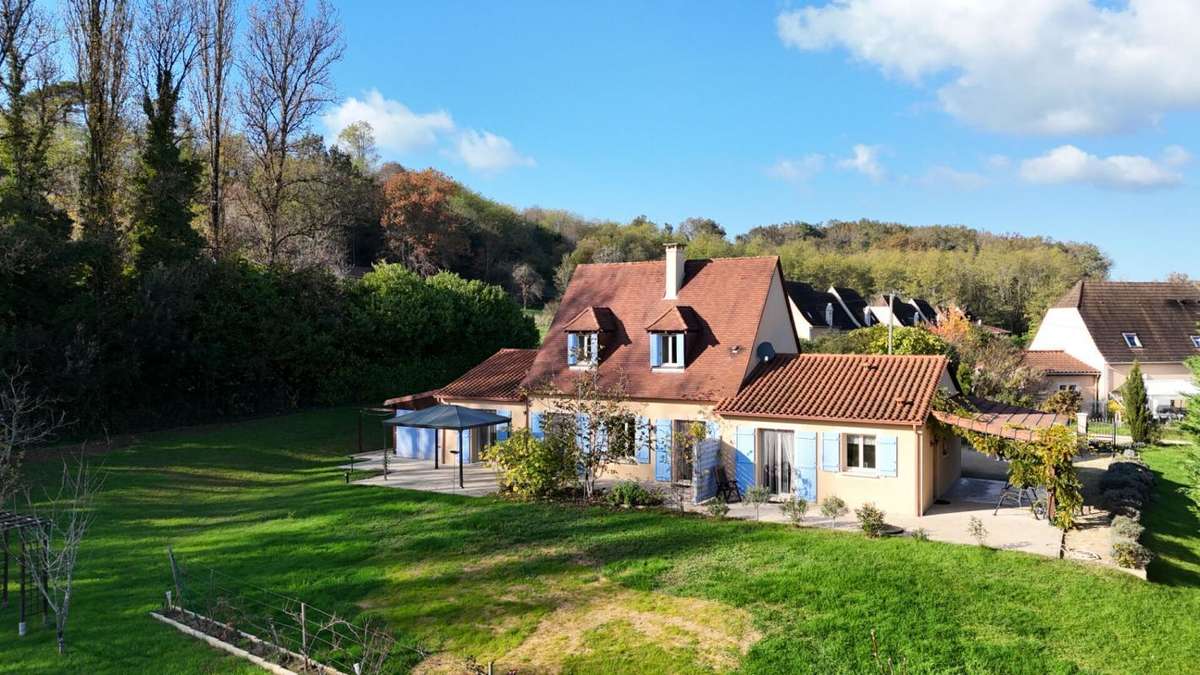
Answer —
447 416
17 522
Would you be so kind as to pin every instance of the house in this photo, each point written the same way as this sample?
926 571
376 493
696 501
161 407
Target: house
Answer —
854 305
1110 324
886 307
712 344
817 313
1063 371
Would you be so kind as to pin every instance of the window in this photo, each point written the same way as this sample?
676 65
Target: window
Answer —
860 452
776 449
582 348
670 349
1131 340
1196 341
1068 387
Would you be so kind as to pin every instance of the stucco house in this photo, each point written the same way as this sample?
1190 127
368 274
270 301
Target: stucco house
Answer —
714 342
817 313
1063 371
1108 325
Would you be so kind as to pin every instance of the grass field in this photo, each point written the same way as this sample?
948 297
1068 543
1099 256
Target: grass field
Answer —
1173 522
585 589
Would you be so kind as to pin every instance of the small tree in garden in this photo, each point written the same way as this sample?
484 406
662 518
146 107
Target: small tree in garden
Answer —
26 420
756 497
870 519
832 507
1063 402
977 531
1137 406
794 509
531 468
717 508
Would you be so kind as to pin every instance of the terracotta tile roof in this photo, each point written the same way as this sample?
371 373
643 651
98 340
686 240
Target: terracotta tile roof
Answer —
841 387
812 304
1164 316
728 295
995 330
592 319
420 401
1057 362
1000 419
675 319
498 378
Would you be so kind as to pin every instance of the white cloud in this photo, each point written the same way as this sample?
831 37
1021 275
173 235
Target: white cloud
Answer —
947 177
485 151
1023 66
797 170
397 129
865 160
1069 164
1176 156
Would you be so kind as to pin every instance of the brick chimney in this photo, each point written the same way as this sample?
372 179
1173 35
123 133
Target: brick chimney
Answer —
674 272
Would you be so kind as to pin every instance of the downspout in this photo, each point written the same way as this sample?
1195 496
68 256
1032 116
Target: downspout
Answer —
920 469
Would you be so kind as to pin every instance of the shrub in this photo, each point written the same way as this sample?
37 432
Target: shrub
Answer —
920 534
717 508
794 508
977 531
1118 500
1130 554
833 507
1063 402
529 467
870 519
756 497
1125 527
629 493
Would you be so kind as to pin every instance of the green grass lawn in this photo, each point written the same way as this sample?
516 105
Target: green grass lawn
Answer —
581 589
1173 521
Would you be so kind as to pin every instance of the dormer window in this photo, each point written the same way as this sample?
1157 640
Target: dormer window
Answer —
667 350
583 349
1132 341
829 314
586 336
1196 341
669 335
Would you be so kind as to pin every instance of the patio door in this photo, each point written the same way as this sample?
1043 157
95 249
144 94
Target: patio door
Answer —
775 450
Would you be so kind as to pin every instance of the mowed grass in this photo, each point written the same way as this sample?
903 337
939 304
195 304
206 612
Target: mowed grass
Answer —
576 589
1173 521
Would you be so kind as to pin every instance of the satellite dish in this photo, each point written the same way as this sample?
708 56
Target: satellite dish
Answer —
765 351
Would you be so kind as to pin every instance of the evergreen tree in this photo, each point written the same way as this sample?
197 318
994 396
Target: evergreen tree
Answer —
1191 420
1137 407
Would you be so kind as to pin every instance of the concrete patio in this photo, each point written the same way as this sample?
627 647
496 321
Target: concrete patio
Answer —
419 474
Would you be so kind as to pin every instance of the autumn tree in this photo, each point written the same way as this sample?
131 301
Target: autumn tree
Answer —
215 29
421 227
529 283
358 141
287 71
167 177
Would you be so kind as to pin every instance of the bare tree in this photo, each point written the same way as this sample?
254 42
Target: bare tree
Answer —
167 47
52 551
26 419
100 34
529 283
215 30
286 68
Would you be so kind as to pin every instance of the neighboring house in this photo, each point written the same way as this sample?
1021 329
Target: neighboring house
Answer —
714 342
1063 371
1110 324
885 308
817 313
854 304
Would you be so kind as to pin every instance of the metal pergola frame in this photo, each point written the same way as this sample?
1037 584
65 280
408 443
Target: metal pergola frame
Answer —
487 420
10 522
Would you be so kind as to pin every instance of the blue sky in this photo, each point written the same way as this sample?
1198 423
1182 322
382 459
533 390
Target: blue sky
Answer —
754 113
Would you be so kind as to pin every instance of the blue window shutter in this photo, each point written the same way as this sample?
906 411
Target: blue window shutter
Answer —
581 433
602 437
714 430
572 348
594 338
535 425
426 439
831 452
679 353
885 449
655 357
744 466
464 446
806 465
662 450
502 430
642 439
404 443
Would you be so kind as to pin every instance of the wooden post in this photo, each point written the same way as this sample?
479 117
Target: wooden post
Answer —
304 633
360 448
21 611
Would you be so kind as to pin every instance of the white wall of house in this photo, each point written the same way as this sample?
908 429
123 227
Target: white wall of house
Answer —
804 329
1063 328
1087 385
775 325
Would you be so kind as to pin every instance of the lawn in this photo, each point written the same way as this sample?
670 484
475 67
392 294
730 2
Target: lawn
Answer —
1173 521
579 589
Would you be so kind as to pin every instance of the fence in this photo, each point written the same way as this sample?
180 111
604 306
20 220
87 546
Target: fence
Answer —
282 629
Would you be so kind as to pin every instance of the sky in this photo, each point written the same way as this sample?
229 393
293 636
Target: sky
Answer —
1070 119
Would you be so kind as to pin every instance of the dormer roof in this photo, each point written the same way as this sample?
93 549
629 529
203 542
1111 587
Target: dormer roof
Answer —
906 314
592 320
677 319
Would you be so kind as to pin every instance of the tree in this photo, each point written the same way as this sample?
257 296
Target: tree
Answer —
287 72
358 141
166 178
421 228
1063 402
1191 420
26 419
100 34
1137 406
529 283
691 228
215 29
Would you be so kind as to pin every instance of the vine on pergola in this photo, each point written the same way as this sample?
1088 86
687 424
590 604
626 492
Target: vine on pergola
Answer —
1044 462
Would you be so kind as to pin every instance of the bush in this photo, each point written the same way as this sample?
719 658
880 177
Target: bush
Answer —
794 508
870 519
977 531
1125 527
756 497
531 468
1063 402
920 534
833 507
629 493
1130 554
717 508
1119 500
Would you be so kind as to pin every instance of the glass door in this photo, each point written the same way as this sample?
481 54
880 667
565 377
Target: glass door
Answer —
775 461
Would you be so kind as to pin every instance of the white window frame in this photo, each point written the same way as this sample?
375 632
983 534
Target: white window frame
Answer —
1068 387
1196 341
854 443
666 351
584 359
1132 340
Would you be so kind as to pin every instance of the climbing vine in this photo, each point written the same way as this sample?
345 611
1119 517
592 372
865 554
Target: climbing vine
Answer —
1045 462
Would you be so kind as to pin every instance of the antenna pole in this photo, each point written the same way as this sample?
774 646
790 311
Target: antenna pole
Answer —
891 318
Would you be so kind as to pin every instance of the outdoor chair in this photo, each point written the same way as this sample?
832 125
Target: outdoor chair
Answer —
727 490
1018 493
